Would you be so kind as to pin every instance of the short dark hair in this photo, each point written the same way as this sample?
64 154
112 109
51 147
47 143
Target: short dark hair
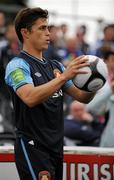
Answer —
26 18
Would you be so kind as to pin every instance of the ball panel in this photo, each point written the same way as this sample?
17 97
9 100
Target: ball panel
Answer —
81 79
91 58
95 84
102 68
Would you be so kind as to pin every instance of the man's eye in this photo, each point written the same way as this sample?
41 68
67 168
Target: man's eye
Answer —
43 28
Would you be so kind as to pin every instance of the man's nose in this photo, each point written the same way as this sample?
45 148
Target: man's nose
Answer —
47 32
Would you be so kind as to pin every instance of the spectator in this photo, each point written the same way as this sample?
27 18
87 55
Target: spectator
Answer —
103 102
3 41
76 46
52 51
7 53
82 46
81 126
100 104
70 51
108 39
62 36
107 138
108 134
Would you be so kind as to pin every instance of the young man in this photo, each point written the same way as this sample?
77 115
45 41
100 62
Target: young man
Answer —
37 87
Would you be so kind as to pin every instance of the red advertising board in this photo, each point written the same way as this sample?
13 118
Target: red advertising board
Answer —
80 163
88 167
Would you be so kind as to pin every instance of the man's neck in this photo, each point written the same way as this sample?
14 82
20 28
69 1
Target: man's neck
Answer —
32 52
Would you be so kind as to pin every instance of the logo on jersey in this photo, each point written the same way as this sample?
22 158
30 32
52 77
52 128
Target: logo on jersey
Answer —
57 73
58 94
44 175
38 74
17 76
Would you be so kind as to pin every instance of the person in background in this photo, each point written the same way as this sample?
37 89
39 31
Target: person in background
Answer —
76 46
107 40
82 47
81 127
37 86
62 35
108 133
100 104
70 51
7 53
3 41
52 51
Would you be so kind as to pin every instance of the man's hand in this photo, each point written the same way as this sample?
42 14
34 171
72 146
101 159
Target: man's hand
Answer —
74 67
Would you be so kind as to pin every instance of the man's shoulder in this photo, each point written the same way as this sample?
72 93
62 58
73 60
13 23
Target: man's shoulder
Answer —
16 63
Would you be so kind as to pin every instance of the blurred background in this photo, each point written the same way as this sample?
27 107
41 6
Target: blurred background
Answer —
95 14
76 27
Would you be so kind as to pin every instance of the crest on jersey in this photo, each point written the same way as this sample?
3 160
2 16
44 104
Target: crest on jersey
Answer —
44 175
57 73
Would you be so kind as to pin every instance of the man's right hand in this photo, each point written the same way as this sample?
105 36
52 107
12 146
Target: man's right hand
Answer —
74 67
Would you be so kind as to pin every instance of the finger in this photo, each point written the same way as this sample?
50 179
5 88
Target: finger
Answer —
80 61
82 65
81 72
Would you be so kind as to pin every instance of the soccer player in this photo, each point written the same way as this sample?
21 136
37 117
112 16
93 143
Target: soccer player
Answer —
37 88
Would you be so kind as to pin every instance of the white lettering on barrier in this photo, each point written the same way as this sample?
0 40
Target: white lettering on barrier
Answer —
65 171
105 171
83 170
72 171
95 172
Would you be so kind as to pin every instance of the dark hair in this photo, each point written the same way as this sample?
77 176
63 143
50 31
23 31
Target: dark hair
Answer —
26 18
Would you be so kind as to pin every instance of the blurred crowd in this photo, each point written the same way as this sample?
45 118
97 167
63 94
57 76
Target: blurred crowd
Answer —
84 125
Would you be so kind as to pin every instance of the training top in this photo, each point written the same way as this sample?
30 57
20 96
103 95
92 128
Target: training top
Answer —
43 122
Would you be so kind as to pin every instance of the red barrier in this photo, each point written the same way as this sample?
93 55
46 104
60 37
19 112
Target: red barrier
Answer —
80 163
88 167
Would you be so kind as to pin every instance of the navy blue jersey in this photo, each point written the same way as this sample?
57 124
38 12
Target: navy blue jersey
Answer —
44 122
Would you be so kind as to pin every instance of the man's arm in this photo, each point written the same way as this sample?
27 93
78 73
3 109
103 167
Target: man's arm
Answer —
19 78
80 95
34 95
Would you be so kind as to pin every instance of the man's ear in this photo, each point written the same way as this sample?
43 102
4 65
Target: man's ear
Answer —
25 33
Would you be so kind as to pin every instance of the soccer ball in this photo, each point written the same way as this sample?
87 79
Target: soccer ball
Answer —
96 76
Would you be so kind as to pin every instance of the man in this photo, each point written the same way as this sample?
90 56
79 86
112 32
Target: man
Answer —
37 87
81 127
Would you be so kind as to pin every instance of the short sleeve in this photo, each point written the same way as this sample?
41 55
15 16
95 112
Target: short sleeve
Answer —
17 73
68 83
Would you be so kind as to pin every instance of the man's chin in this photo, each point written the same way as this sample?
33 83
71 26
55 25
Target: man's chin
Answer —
45 48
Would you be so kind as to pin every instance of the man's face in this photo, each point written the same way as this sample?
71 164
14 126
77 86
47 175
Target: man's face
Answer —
77 110
39 34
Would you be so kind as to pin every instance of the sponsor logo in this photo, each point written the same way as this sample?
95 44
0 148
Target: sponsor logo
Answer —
44 175
17 76
38 74
31 142
57 94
